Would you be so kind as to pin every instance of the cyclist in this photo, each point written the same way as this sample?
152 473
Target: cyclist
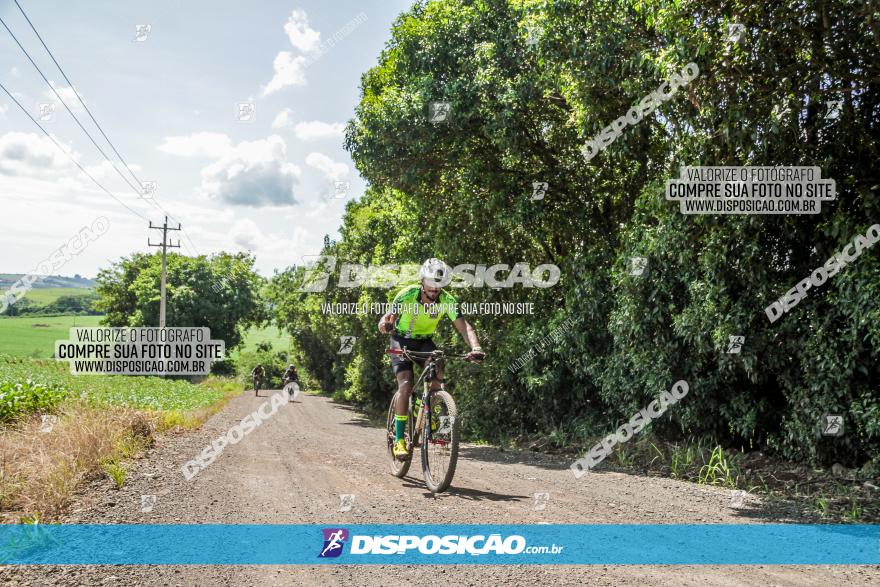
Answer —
420 307
290 375
258 374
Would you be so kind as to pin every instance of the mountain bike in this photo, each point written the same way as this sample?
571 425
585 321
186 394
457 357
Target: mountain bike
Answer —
258 383
434 426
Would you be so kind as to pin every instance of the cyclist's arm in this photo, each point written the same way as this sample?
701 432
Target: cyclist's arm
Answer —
467 333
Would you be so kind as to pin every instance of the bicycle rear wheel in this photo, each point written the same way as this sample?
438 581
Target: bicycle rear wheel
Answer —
440 443
398 468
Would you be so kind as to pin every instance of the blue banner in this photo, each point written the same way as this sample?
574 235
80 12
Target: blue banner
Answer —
629 544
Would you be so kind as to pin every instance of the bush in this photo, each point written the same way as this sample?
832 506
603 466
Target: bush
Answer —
17 399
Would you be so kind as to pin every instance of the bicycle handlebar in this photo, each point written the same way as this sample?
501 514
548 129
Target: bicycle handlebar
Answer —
439 353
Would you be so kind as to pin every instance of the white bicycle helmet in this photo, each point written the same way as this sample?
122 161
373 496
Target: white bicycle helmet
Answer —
435 270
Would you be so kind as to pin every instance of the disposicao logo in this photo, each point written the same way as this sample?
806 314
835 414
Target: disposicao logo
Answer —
493 544
334 540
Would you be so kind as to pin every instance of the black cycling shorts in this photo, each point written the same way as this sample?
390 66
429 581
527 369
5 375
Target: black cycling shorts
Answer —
399 363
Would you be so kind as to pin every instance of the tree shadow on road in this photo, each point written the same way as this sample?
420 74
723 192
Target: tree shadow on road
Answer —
361 418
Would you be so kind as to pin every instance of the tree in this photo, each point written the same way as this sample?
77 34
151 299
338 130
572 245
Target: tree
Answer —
521 112
221 292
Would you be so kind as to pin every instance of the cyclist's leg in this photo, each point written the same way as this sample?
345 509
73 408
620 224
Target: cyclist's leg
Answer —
404 389
427 347
403 372
401 409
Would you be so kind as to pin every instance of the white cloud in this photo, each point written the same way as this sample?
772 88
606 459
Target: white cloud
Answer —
4 108
200 144
253 173
32 155
301 35
244 233
247 234
310 131
68 95
289 71
283 119
14 72
102 170
332 170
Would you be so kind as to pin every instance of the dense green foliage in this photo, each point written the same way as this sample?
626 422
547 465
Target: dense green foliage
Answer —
25 397
28 385
460 190
76 305
221 292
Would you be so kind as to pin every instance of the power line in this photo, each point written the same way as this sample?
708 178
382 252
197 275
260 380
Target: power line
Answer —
66 107
139 190
81 101
69 156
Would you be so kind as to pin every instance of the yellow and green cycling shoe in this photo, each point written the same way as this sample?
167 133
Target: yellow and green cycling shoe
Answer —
399 450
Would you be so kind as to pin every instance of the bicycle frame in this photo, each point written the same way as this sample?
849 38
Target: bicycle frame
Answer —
436 431
429 374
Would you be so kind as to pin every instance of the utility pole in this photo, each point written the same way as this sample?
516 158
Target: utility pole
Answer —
165 245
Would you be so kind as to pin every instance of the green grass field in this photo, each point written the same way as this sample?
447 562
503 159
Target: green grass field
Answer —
46 295
35 336
270 334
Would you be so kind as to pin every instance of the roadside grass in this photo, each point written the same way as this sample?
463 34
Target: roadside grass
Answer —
99 425
849 497
116 472
42 468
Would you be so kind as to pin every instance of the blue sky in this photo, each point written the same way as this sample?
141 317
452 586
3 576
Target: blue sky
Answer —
170 103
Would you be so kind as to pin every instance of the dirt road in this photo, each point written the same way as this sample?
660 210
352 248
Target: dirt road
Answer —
294 467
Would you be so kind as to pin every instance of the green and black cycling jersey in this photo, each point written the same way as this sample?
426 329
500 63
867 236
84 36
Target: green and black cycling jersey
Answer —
418 320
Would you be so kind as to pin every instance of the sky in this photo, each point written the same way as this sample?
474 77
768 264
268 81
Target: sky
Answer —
233 112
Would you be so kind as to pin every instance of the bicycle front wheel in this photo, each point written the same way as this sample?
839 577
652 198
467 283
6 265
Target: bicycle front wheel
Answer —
440 443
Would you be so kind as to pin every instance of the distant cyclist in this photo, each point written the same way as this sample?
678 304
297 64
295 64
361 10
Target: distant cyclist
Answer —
290 375
258 374
421 306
